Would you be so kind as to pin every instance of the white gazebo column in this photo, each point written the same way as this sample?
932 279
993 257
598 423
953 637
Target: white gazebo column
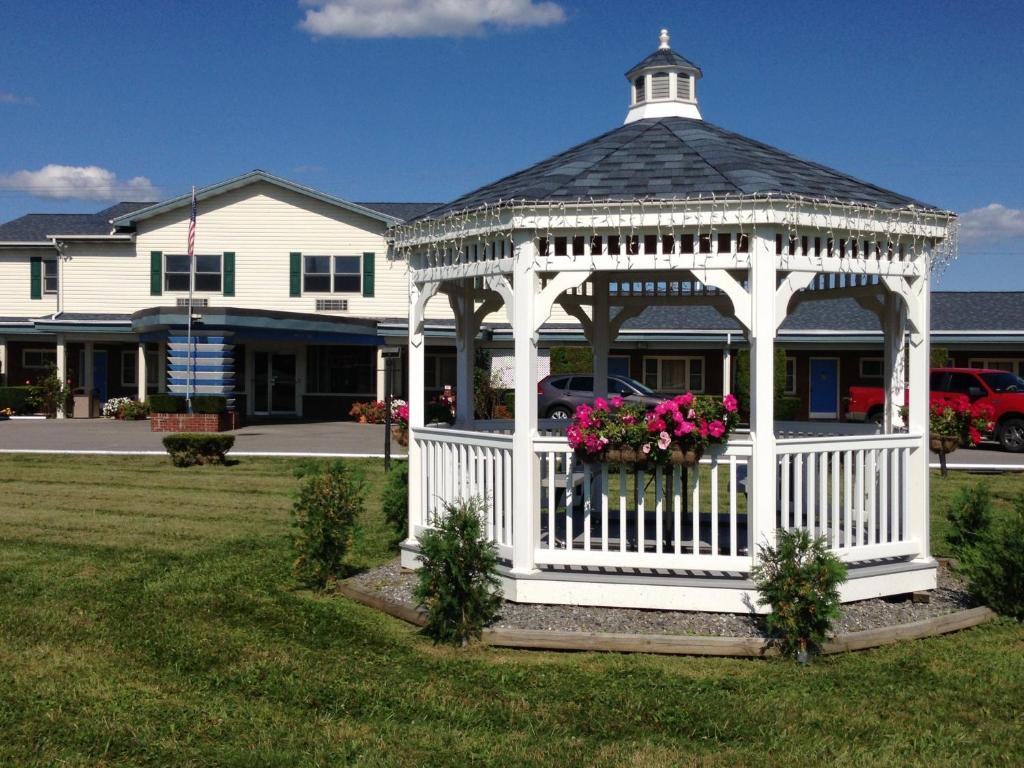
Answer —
918 364
600 342
727 368
894 326
417 349
526 472
762 416
465 335
62 369
140 374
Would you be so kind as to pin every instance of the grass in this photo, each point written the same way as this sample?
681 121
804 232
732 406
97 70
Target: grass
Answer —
149 617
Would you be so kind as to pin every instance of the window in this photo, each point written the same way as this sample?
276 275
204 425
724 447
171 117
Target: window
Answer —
790 387
1003 382
130 368
208 274
962 383
582 384
439 371
340 370
1009 365
674 374
638 90
871 368
50 279
327 274
38 358
558 383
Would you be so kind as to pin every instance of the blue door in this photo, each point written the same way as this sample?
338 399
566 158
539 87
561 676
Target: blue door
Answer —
824 388
99 374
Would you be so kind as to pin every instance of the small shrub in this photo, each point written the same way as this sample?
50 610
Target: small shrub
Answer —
799 578
458 584
324 515
189 448
162 403
969 515
48 393
15 398
133 410
991 560
395 500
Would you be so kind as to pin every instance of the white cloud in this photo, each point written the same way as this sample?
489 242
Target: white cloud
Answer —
12 98
79 182
424 18
990 224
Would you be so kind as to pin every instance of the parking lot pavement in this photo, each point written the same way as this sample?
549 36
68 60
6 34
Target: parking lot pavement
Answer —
106 435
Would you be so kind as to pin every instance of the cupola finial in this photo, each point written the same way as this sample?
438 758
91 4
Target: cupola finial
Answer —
663 39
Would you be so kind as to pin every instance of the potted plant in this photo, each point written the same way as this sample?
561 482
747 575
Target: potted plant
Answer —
956 423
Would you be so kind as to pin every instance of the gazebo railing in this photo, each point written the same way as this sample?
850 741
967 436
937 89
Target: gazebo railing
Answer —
851 489
618 516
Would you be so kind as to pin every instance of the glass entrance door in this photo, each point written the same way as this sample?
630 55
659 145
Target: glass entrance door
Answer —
273 383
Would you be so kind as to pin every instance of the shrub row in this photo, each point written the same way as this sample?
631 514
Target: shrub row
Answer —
162 403
15 398
188 448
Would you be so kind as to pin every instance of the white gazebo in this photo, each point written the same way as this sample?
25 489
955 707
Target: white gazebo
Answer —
669 209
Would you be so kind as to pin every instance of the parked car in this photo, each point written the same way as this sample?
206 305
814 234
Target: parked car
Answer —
1002 391
559 394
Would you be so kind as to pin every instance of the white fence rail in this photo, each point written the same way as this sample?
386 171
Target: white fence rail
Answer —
851 490
456 465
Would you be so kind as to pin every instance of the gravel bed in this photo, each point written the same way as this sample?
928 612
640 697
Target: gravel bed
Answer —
390 582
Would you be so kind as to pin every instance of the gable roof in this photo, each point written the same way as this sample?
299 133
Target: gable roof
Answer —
671 158
403 211
130 219
37 227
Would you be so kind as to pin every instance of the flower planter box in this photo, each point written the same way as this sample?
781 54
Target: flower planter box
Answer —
195 422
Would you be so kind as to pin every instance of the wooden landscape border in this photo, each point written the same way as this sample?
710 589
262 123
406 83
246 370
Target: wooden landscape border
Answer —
688 645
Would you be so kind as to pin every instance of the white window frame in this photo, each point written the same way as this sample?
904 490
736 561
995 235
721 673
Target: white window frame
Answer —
790 377
986 362
55 277
42 351
688 359
130 362
219 272
332 273
881 367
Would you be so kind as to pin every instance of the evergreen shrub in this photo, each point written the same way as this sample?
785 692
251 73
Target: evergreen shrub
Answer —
324 516
189 448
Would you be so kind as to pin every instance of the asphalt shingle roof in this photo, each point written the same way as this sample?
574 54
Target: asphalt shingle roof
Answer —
403 211
674 157
665 57
34 227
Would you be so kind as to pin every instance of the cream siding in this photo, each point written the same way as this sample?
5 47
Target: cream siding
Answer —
16 281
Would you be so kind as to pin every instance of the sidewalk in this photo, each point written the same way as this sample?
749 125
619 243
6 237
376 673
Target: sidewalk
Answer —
332 438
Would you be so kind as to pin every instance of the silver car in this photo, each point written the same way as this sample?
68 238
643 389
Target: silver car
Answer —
559 394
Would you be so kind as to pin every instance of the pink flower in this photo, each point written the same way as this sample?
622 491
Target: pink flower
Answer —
704 428
729 401
684 429
600 404
692 414
661 408
646 448
716 428
664 440
685 400
616 401
583 411
629 418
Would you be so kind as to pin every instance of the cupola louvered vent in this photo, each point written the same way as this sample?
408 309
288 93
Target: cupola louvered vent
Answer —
638 90
332 305
660 85
683 87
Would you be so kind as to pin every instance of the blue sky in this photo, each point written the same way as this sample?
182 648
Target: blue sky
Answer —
143 99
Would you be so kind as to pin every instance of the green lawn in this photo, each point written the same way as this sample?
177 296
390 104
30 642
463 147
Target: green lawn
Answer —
149 617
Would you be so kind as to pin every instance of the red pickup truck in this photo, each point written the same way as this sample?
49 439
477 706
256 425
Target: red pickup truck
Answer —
1000 390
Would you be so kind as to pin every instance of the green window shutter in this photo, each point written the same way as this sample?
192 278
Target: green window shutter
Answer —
36 263
156 273
295 274
368 274
229 273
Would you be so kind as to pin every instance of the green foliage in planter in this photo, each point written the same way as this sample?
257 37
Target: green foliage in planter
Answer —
188 448
48 393
15 398
572 359
209 404
161 403
394 500
799 578
133 410
787 407
324 516
458 583
988 550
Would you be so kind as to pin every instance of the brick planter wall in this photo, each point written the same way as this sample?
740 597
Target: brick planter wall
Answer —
196 422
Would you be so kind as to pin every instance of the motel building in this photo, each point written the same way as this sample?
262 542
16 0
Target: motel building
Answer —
297 290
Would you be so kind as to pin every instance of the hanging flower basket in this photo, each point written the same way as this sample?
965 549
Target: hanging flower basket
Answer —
686 458
626 455
944 443
400 435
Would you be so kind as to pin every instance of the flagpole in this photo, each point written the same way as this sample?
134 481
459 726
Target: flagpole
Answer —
191 288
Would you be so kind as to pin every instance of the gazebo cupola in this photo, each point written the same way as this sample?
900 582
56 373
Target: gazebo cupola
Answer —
663 85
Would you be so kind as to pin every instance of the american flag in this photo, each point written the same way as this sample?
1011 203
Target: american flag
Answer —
192 228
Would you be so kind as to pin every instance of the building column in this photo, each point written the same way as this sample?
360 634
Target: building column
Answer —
381 375
161 360
3 361
762 395
140 374
62 369
465 351
526 478
601 342
918 365
894 329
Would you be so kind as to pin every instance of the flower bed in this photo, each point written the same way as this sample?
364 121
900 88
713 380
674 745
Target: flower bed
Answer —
675 431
